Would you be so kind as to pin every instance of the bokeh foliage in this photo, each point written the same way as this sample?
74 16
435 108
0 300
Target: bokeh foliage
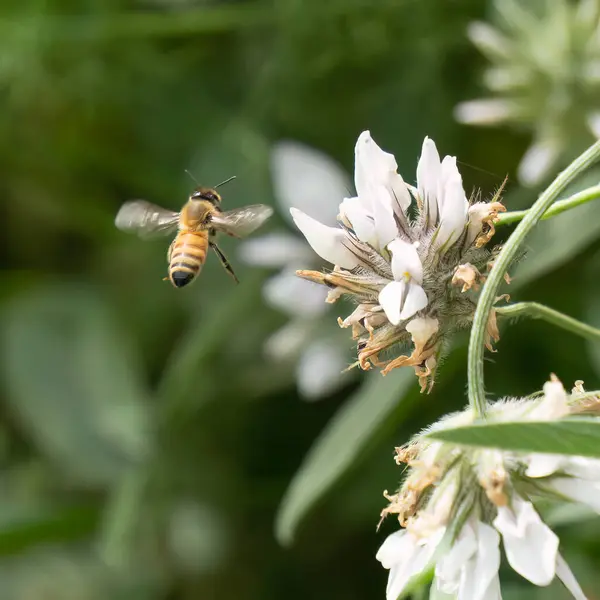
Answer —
146 443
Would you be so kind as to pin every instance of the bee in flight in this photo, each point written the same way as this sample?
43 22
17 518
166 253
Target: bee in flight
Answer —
198 223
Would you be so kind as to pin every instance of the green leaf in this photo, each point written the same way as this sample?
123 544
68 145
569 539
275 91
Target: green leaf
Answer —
340 445
577 437
73 384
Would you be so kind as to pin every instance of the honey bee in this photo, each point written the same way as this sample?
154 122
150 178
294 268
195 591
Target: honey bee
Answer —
197 223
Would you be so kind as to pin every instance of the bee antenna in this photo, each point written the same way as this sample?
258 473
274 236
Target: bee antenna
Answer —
224 182
192 177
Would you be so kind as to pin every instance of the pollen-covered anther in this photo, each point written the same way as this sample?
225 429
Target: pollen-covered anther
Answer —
467 276
583 402
422 330
406 454
339 282
365 317
379 340
493 484
422 476
492 334
482 218
425 374
488 222
403 504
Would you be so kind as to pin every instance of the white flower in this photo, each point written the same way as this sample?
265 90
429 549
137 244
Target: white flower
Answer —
301 177
531 546
406 555
442 492
399 264
470 569
544 75
403 297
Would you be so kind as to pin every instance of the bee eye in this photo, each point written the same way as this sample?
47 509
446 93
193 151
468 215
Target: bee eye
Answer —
210 196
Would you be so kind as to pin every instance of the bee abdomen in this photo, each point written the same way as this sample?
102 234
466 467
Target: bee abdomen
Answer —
187 257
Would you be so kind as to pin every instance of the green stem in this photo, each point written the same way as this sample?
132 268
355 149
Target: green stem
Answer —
558 207
539 311
501 264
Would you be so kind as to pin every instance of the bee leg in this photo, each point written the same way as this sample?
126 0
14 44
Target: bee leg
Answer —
213 233
223 260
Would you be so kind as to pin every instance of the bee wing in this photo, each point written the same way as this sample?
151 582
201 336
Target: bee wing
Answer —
241 222
146 219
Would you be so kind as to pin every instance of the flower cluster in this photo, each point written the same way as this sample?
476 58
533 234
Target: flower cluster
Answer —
412 258
471 498
546 76
307 178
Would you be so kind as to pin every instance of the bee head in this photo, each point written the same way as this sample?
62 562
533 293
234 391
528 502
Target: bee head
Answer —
207 194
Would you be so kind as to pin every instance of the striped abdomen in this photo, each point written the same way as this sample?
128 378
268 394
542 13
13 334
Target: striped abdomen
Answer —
187 255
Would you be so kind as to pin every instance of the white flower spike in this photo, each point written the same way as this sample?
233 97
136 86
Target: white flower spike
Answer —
479 499
402 266
521 65
313 182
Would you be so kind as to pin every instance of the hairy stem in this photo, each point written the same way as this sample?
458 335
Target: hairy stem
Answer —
501 264
558 207
539 311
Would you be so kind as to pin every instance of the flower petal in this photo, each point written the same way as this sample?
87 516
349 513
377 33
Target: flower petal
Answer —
416 300
328 242
493 591
448 570
484 112
319 370
538 161
375 167
308 179
415 560
429 172
453 217
383 215
295 296
554 404
530 545
360 218
481 572
390 299
542 465
275 250
421 329
287 342
395 549
566 576
476 213
593 121
583 467
405 261
489 40
580 490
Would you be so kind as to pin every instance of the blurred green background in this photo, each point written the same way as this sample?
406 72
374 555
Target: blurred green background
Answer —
146 440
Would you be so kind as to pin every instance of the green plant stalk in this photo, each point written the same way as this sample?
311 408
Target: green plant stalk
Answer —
539 311
490 289
557 208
